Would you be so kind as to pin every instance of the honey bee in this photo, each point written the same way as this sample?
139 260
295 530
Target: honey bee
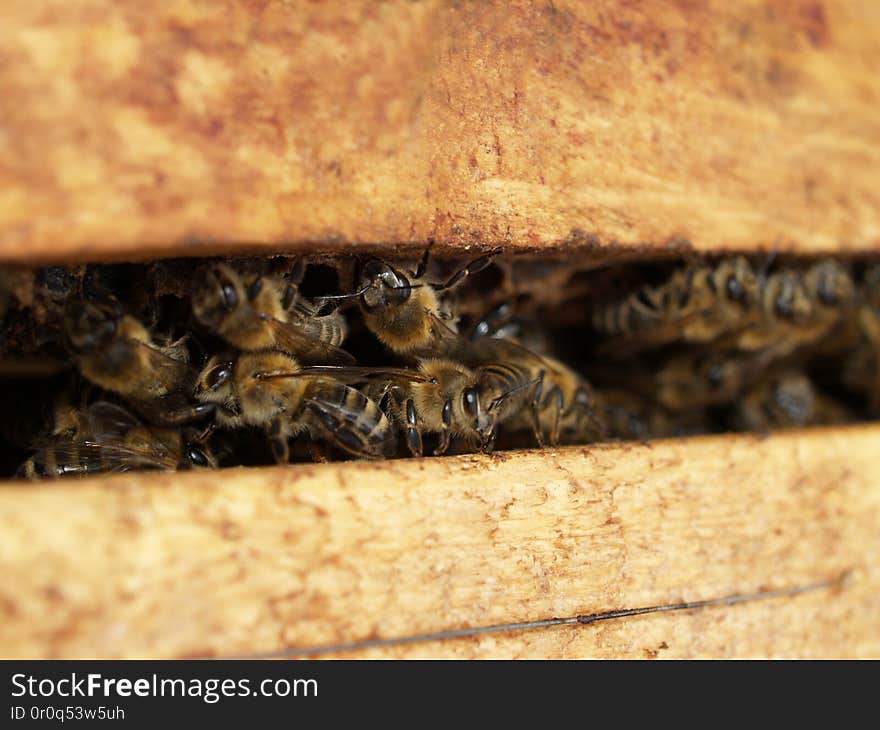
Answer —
503 322
786 399
405 312
272 390
696 304
447 401
485 382
861 370
267 314
116 352
797 308
631 416
108 438
701 378
534 391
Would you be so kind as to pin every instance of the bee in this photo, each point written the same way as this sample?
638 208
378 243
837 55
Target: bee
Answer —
447 401
534 391
786 399
701 378
696 304
797 308
631 416
267 314
405 312
116 352
108 438
272 390
488 380
503 322
861 371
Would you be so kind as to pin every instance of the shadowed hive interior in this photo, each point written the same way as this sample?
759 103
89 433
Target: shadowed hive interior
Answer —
113 367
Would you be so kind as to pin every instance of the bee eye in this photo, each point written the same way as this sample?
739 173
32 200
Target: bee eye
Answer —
196 456
230 295
783 307
253 291
471 401
397 288
383 287
218 376
735 289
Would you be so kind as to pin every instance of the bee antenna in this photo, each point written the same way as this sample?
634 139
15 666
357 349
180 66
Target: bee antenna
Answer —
276 376
331 297
768 262
504 396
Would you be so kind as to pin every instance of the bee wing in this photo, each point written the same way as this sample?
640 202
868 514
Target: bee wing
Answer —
440 329
108 420
122 457
109 423
290 338
165 368
342 426
356 374
91 457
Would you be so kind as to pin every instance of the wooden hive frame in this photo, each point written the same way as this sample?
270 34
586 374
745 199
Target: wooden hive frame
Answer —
129 132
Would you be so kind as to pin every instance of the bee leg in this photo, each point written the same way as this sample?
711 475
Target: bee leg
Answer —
534 409
423 264
472 268
445 434
413 434
319 452
558 403
298 272
445 440
179 416
278 442
205 433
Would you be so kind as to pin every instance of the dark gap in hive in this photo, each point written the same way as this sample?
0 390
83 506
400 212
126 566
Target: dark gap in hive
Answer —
553 298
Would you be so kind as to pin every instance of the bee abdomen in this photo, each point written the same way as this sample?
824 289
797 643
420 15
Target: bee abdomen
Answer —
637 312
355 422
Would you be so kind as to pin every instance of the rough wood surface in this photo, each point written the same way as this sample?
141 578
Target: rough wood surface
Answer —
134 129
250 561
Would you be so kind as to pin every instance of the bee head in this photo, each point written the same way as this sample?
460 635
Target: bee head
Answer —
831 284
215 382
787 297
737 281
89 325
794 398
217 291
382 286
479 417
198 457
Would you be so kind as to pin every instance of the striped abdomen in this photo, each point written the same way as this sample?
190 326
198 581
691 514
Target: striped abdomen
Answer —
353 421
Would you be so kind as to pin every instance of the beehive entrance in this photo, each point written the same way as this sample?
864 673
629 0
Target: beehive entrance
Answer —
607 348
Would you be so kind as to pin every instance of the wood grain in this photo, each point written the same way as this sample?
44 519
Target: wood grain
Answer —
247 561
130 130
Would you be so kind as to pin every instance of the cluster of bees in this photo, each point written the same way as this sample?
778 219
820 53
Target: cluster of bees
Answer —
199 364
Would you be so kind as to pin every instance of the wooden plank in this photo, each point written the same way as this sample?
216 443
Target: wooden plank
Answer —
130 130
255 560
